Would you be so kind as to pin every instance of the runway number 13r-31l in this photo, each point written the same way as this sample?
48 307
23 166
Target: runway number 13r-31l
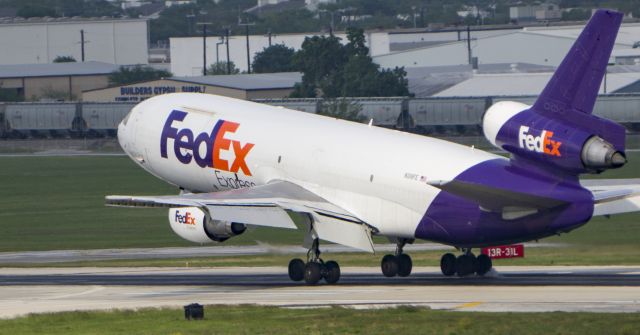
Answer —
505 251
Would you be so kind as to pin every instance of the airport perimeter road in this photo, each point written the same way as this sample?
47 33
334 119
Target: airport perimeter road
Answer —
516 289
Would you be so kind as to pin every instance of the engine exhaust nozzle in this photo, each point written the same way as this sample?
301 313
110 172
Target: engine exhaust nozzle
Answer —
599 155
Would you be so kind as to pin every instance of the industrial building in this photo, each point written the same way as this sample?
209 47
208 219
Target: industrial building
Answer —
530 84
542 45
41 40
534 45
187 52
240 86
57 81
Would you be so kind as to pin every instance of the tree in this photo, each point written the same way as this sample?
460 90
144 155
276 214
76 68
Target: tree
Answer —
333 70
320 58
220 68
276 58
64 59
127 75
341 109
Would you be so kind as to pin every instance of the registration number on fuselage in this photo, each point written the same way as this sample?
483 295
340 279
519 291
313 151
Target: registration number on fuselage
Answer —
504 251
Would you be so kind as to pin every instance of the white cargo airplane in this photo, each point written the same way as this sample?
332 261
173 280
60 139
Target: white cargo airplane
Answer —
240 163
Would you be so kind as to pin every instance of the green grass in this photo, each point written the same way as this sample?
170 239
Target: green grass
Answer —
334 320
58 203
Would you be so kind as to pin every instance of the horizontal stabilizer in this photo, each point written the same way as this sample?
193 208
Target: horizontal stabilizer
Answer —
614 196
496 199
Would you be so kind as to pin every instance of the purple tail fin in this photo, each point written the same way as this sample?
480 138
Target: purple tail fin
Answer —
575 84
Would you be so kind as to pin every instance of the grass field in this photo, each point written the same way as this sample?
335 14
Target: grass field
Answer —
57 203
272 320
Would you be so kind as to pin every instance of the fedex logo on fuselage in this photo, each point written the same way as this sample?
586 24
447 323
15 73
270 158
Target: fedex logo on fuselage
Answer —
543 144
187 218
186 146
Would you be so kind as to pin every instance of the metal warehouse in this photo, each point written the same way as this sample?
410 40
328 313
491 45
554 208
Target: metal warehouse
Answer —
57 81
41 40
241 86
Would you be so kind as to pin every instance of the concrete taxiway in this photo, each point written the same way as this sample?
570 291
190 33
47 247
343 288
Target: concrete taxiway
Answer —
513 289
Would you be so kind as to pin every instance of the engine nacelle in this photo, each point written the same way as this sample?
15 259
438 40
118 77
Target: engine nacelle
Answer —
194 225
519 130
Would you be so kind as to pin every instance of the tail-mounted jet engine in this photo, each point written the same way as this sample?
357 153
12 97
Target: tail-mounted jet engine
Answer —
194 225
521 131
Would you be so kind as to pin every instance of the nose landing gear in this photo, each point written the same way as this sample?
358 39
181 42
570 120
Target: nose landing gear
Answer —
465 264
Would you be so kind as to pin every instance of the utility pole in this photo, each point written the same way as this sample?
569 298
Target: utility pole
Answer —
227 32
246 25
204 46
221 41
82 44
269 34
469 43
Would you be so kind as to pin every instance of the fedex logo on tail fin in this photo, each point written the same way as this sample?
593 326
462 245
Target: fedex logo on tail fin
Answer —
543 143
186 146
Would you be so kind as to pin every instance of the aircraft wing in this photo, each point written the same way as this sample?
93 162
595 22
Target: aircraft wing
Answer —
614 196
267 205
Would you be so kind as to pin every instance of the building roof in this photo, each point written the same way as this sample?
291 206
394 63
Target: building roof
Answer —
427 81
514 84
74 19
56 69
247 82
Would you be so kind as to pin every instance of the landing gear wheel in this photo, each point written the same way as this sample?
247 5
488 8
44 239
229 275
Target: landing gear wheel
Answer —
483 264
389 265
296 269
331 272
312 273
448 264
404 265
465 265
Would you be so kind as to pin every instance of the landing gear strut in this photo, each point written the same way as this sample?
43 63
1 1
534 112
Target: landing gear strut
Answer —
315 268
399 264
465 264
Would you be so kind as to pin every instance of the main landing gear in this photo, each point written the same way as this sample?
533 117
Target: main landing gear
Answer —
315 268
465 264
398 264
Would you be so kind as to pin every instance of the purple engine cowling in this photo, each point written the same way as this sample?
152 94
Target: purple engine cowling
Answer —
552 142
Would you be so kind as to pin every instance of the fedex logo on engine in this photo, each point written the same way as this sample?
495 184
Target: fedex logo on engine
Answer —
186 146
187 218
543 144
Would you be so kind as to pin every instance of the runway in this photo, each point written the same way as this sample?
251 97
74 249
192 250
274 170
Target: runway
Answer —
512 289
61 256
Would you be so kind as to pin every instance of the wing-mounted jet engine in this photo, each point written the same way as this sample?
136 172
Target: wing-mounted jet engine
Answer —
193 224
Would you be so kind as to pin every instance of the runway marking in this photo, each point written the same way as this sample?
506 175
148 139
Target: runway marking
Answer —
469 305
70 295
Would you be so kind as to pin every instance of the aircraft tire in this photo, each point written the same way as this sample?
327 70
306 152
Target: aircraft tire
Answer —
448 264
484 264
405 265
296 269
332 272
389 265
465 265
312 273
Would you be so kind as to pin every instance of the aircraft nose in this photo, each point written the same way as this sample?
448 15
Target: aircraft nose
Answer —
125 130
